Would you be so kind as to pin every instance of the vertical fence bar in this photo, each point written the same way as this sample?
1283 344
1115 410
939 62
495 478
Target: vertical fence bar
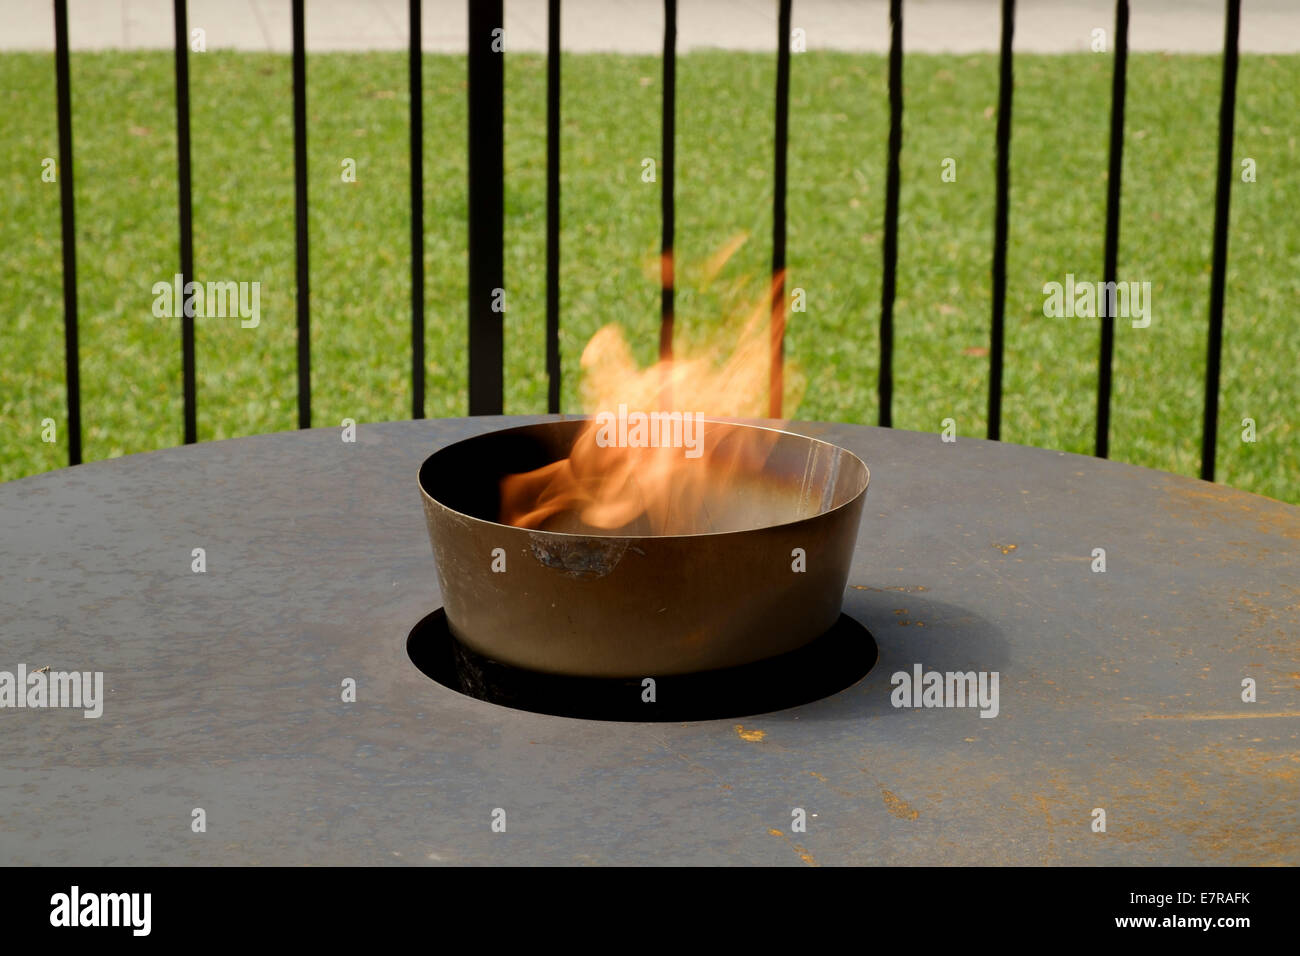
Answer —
669 135
184 196
300 214
415 63
71 352
885 381
486 205
1000 218
776 385
1110 266
1223 193
553 206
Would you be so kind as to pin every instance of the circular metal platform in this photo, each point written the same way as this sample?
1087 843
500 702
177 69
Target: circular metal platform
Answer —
1119 690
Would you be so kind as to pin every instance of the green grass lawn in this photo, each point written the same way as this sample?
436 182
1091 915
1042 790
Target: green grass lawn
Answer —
124 131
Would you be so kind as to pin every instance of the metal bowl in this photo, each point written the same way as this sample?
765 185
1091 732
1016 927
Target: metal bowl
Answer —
640 605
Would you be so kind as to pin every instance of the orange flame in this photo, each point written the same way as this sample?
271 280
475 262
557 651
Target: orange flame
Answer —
640 467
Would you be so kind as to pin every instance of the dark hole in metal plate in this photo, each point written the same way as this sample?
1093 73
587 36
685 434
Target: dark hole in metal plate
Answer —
837 659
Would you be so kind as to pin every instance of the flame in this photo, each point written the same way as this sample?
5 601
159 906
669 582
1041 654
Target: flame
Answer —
667 471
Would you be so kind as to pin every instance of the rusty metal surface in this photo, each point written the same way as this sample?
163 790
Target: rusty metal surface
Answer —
1119 690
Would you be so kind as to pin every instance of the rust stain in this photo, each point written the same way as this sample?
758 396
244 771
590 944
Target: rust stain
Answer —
1277 713
897 806
1249 760
1206 802
832 787
1203 503
1005 548
753 736
802 851
1200 797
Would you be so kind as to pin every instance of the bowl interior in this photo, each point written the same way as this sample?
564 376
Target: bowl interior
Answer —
749 477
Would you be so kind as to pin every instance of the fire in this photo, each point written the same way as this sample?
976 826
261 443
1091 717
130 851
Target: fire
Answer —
647 462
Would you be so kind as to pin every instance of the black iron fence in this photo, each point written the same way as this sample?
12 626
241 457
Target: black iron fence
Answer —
487 213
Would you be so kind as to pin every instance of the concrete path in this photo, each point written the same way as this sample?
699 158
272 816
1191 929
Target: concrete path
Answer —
635 26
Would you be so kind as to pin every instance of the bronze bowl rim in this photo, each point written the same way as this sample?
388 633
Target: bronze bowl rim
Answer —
866 482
